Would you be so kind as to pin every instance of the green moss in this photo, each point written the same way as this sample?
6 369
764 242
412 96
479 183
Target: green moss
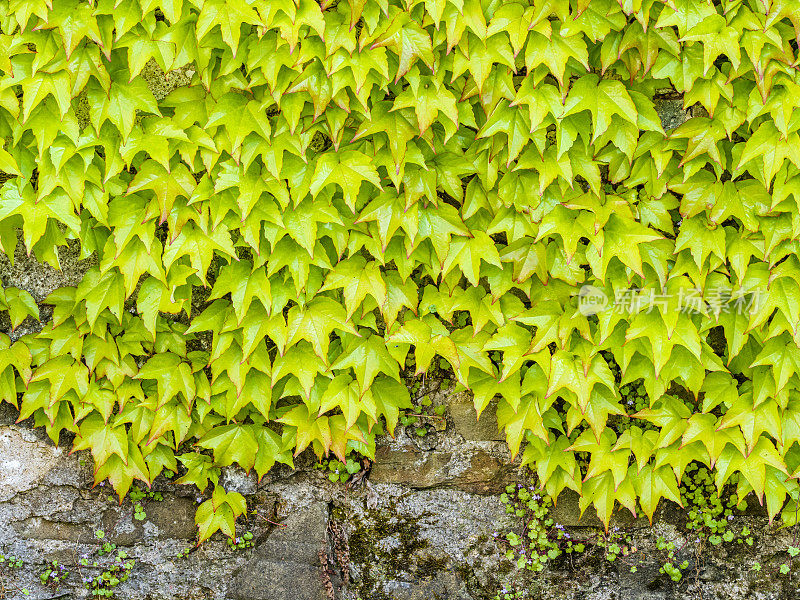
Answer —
467 575
81 106
430 566
160 83
505 567
384 545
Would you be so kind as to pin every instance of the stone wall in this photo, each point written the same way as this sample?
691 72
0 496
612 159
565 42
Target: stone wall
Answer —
419 527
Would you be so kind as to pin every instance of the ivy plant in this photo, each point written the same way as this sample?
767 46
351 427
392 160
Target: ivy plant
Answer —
346 194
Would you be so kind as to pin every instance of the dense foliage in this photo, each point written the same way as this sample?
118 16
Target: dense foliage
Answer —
364 185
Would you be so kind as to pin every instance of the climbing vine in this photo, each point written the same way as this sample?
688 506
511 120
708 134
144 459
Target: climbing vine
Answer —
343 194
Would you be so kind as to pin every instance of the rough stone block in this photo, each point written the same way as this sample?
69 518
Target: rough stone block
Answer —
43 529
40 279
23 463
472 470
173 517
469 426
444 584
277 579
234 479
286 563
671 112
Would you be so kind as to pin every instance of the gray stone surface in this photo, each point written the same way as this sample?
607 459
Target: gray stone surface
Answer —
286 564
466 421
234 479
41 278
463 454
160 83
671 112
25 462
403 540
473 470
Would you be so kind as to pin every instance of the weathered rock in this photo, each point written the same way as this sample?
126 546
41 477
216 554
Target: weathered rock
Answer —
121 528
445 584
40 279
474 470
44 529
160 83
646 583
286 563
173 517
418 534
24 464
234 479
420 545
52 501
270 579
671 112
467 423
